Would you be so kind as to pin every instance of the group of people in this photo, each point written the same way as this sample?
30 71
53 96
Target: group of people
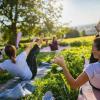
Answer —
25 66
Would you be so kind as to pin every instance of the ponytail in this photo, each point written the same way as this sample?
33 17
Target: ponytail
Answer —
13 59
10 51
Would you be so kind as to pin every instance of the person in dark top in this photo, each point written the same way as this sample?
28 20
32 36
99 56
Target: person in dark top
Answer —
54 44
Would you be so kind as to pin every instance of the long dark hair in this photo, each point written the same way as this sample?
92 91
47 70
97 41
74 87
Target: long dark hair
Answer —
10 51
97 43
92 59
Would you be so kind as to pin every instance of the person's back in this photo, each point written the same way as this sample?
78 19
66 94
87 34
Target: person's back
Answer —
20 68
24 65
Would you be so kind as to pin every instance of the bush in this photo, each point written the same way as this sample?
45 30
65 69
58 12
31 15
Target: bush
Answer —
54 68
72 33
55 81
80 43
45 57
25 40
73 58
55 84
76 43
4 77
63 44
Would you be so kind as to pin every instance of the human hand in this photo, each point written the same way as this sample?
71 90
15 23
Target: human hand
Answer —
60 61
39 42
35 39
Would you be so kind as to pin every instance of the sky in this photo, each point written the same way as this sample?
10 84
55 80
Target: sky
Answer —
80 12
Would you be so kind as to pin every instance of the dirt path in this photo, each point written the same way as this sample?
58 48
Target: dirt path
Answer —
47 49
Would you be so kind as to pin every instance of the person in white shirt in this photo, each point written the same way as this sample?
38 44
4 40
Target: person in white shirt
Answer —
90 73
24 65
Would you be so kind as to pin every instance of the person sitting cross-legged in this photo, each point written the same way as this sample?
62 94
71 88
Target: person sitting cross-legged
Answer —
54 44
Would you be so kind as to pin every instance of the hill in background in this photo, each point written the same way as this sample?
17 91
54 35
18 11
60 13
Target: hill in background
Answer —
89 29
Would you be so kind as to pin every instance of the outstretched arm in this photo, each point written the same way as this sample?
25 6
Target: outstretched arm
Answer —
27 50
74 83
35 41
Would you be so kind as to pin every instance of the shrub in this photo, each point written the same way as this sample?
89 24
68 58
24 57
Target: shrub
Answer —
63 44
55 84
45 57
55 81
72 33
4 77
76 43
73 58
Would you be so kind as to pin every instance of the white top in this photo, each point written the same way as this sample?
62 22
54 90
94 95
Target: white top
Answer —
93 72
20 68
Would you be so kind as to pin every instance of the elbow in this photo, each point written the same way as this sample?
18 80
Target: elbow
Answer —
74 86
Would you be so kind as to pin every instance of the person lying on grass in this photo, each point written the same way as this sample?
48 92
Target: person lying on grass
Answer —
24 65
91 73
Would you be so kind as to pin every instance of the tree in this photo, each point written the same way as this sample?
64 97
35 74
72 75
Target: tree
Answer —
71 33
61 30
83 33
27 14
53 10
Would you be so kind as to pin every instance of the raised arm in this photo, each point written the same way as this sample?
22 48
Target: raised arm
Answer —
27 50
74 83
35 41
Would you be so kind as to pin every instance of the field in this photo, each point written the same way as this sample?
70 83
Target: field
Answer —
55 81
